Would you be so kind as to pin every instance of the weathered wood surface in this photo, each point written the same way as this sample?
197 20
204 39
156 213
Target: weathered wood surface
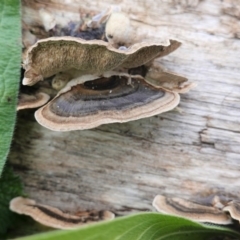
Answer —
192 154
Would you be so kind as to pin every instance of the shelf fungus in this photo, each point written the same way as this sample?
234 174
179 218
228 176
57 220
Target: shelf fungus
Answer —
33 100
90 101
88 96
187 209
233 208
167 80
59 54
55 218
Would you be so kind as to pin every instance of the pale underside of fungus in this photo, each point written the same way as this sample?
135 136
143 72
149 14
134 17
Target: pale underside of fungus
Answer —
191 210
55 218
95 101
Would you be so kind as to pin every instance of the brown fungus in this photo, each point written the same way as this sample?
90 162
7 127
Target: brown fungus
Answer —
187 209
174 45
233 208
59 54
145 53
91 101
55 218
169 81
158 77
33 100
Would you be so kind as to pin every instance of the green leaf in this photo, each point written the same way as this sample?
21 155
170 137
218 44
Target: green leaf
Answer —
10 62
10 187
143 226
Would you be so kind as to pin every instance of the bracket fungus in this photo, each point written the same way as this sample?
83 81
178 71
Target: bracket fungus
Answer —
233 208
187 209
160 78
88 94
100 100
58 54
169 81
55 218
26 101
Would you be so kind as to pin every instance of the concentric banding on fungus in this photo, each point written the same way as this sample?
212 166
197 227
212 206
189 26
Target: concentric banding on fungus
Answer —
188 209
104 100
34 100
53 217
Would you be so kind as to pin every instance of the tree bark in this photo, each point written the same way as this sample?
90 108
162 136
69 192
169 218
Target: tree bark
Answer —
193 153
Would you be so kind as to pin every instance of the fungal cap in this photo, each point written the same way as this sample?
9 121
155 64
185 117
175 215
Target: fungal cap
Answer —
234 209
90 101
26 101
187 209
19 204
169 81
55 218
47 57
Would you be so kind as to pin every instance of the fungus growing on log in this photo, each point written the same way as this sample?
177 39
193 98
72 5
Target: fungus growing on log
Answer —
187 209
234 209
91 101
156 76
58 54
55 218
34 100
89 95
169 81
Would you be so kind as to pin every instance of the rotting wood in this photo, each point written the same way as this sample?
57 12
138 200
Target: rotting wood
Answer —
193 153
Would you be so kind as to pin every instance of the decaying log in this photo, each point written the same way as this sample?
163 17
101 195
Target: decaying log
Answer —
192 152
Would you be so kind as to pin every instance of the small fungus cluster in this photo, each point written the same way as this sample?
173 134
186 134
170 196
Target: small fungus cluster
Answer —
98 82
220 212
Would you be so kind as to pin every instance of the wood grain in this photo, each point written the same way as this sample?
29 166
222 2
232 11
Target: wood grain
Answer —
193 153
